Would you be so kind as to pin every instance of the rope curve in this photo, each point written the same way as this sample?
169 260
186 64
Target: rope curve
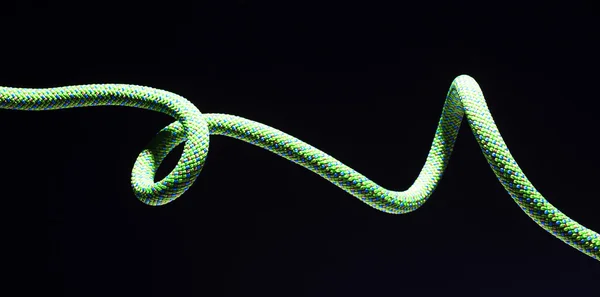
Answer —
193 128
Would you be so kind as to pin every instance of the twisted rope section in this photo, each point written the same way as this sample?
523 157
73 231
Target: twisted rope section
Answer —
189 126
192 127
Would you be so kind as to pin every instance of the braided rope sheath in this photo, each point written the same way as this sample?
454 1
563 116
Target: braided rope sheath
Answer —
463 98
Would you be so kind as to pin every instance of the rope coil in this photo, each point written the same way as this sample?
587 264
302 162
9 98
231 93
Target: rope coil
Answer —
464 99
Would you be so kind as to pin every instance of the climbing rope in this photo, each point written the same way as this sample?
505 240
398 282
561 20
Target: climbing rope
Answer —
193 128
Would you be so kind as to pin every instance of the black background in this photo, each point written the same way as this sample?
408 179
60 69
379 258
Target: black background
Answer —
363 81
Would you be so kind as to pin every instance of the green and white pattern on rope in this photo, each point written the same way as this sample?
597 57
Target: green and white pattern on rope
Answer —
193 128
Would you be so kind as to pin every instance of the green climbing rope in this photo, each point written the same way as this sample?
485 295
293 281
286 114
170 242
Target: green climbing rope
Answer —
463 98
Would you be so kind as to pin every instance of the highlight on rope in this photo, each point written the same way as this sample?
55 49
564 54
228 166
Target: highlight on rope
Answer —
191 127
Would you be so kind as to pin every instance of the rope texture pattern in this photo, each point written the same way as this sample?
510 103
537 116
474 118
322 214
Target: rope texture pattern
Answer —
192 127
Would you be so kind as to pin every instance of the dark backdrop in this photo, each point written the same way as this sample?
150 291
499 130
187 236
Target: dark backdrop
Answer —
363 81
